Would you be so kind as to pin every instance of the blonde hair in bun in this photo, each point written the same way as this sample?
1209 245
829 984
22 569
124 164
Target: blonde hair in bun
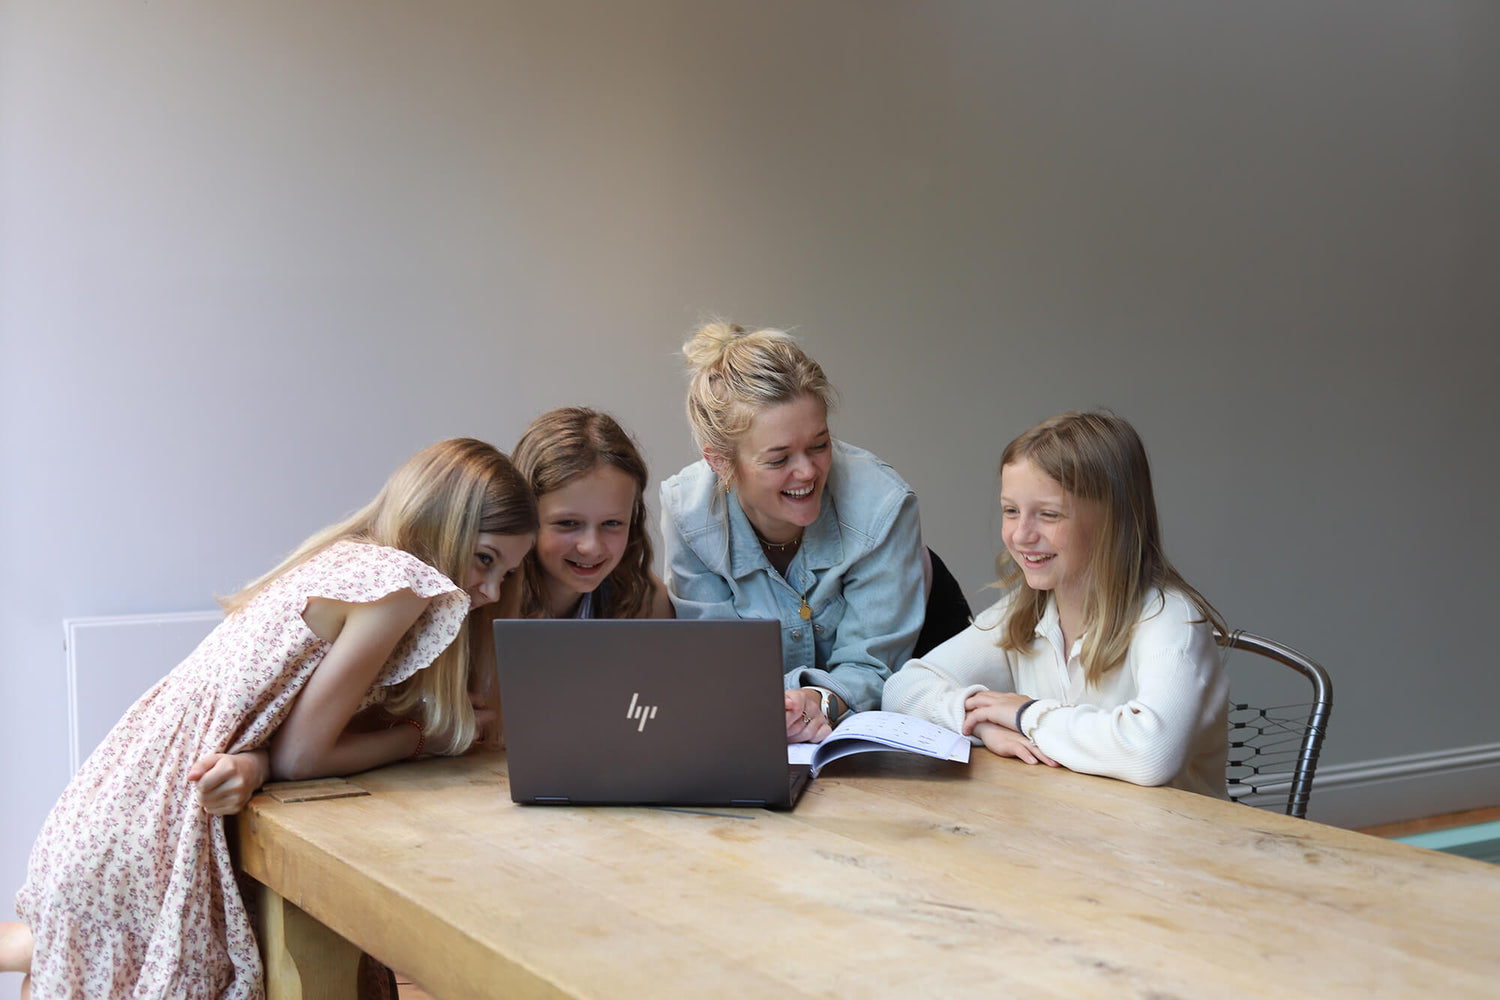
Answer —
734 375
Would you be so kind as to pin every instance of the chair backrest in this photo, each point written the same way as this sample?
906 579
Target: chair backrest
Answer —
947 609
1275 750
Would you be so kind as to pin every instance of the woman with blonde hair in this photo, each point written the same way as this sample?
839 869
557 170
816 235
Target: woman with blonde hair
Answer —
781 520
350 654
1100 657
593 552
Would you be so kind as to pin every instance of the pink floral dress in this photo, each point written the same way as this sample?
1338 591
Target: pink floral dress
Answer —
130 891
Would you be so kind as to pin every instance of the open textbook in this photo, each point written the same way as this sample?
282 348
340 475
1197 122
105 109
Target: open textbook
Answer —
864 731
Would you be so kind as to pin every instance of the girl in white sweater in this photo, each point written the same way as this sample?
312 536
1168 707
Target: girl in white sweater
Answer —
1100 657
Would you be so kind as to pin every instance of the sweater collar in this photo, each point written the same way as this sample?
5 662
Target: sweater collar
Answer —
1049 627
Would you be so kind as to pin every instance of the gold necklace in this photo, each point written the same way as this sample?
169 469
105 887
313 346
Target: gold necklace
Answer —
779 546
805 611
782 547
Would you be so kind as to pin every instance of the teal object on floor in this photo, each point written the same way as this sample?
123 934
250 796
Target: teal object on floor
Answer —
1478 840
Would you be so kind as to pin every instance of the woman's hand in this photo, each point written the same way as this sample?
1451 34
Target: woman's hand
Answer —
998 707
224 782
805 722
1008 743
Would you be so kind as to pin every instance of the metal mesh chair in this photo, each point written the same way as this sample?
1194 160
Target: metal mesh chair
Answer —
1274 751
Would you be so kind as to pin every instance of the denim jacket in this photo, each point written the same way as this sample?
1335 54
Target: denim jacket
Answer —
859 566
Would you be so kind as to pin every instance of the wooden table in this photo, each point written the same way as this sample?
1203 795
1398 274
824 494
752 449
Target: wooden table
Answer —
894 877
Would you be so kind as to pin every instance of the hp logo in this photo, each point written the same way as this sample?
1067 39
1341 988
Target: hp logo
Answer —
642 712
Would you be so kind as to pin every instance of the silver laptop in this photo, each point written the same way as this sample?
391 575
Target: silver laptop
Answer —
645 712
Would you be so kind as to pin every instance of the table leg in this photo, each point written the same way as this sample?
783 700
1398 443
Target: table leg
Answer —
304 960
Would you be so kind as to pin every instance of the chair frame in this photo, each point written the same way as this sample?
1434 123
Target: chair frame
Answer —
946 598
1301 781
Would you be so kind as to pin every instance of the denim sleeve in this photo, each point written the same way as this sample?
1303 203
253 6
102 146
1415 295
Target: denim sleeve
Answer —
884 607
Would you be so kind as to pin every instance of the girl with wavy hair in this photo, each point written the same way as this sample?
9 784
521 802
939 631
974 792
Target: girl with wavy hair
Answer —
593 552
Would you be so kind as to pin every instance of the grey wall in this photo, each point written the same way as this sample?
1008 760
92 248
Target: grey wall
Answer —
255 253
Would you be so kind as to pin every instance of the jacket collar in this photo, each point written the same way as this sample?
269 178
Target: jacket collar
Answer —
822 544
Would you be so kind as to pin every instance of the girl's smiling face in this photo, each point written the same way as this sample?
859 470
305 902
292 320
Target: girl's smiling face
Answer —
1048 532
585 529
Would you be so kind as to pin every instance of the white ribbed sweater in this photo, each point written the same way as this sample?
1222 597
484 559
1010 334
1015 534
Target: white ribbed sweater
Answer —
1160 718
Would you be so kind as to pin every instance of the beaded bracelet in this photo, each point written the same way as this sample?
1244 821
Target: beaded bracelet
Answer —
421 736
1022 711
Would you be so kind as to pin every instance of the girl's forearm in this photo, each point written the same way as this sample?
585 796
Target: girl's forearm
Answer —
351 753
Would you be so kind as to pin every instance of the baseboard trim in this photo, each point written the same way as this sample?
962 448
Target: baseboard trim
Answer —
1386 768
1391 789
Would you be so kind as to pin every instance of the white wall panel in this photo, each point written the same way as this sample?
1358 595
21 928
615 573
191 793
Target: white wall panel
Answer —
113 660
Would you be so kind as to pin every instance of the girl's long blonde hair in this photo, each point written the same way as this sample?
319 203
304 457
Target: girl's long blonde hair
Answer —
558 447
1100 460
434 506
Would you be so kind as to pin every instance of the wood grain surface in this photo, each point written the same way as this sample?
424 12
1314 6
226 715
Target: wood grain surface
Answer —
894 877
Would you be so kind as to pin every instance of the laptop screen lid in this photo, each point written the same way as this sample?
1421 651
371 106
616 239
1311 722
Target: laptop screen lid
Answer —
643 711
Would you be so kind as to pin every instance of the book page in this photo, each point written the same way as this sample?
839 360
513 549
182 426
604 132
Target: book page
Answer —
801 753
882 731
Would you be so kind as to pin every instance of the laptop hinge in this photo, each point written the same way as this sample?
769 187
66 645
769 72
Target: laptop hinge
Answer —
751 803
551 800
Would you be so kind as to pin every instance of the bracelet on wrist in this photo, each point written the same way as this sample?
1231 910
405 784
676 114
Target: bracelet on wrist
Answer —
1022 711
421 736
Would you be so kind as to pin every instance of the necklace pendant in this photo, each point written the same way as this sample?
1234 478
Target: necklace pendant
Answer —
805 611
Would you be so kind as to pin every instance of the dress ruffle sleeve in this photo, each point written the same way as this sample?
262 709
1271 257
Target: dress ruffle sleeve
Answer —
361 573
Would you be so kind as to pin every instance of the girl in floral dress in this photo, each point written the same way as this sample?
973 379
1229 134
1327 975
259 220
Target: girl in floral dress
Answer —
351 654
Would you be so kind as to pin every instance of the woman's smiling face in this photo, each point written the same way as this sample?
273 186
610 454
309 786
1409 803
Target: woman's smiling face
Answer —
782 467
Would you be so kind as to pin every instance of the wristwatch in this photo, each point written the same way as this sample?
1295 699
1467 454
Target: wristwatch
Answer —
828 704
